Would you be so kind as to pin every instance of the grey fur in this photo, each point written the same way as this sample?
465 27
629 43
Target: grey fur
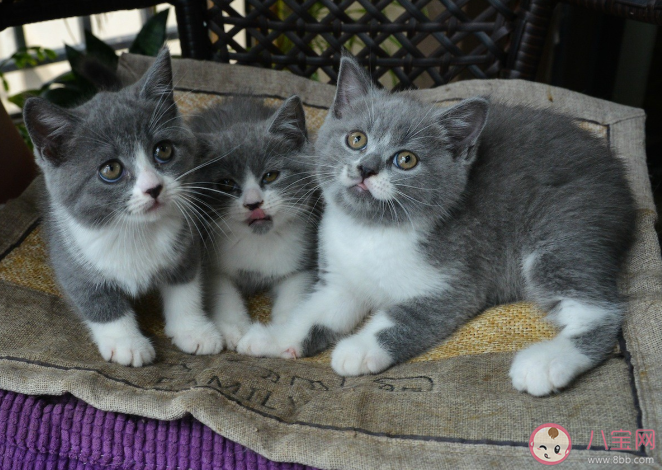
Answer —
72 144
495 186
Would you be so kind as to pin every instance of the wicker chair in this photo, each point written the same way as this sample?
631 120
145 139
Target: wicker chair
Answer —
444 40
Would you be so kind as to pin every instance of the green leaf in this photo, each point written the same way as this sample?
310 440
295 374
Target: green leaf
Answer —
100 50
19 98
152 35
65 97
50 53
5 83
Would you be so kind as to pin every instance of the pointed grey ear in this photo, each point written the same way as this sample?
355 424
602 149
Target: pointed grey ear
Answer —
290 120
353 83
157 81
49 127
464 123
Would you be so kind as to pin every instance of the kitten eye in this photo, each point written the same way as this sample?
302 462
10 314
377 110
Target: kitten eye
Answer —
111 171
357 140
163 151
405 160
270 177
227 186
557 449
543 447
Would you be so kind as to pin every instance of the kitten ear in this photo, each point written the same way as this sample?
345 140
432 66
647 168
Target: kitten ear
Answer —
49 126
463 124
157 81
290 120
353 83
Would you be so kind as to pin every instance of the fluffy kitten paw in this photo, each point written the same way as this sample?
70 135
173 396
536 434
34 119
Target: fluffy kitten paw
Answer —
199 339
547 367
358 356
261 341
232 333
129 350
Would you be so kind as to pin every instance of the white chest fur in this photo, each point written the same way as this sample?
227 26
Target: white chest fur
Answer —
382 265
129 254
274 254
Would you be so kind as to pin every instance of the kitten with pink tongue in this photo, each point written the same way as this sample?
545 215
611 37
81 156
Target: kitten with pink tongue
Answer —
263 214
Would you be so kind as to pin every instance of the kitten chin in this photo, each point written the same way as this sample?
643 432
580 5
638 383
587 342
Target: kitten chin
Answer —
118 220
462 207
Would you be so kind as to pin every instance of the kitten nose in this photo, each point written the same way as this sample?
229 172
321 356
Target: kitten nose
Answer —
155 191
253 206
366 172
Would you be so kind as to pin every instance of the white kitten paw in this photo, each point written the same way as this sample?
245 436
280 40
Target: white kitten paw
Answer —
548 366
261 341
199 339
358 355
131 350
232 333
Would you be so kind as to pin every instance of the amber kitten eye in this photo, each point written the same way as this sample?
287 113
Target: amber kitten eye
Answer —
405 160
227 185
163 151
357 140
111 171
270 177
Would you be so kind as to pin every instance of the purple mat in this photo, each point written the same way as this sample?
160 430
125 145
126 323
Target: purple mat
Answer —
62 432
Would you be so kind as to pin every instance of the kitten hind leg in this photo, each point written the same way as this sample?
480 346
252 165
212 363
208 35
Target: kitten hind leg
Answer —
186 322
229 312
584 302
587 338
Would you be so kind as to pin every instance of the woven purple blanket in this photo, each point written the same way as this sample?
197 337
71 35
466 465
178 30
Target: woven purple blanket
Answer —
62 432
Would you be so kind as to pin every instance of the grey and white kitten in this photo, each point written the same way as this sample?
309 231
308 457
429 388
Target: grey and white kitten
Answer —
116 171
433 215
263 218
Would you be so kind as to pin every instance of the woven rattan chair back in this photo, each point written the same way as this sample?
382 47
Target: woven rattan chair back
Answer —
409 43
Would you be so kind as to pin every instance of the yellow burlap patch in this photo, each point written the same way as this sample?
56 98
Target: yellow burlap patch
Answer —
500 329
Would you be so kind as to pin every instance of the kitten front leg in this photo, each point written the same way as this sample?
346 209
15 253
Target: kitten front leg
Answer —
398 333
110 319
329 312
229 311
289 293
186 322
122 342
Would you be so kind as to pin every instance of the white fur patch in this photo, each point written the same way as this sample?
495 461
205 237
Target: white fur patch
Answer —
289 294
129 253
229 311
361 353
579 317
122 342
383 265
380 186
546 367
186 323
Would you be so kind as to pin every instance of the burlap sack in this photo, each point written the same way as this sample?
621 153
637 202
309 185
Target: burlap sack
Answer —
453 407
